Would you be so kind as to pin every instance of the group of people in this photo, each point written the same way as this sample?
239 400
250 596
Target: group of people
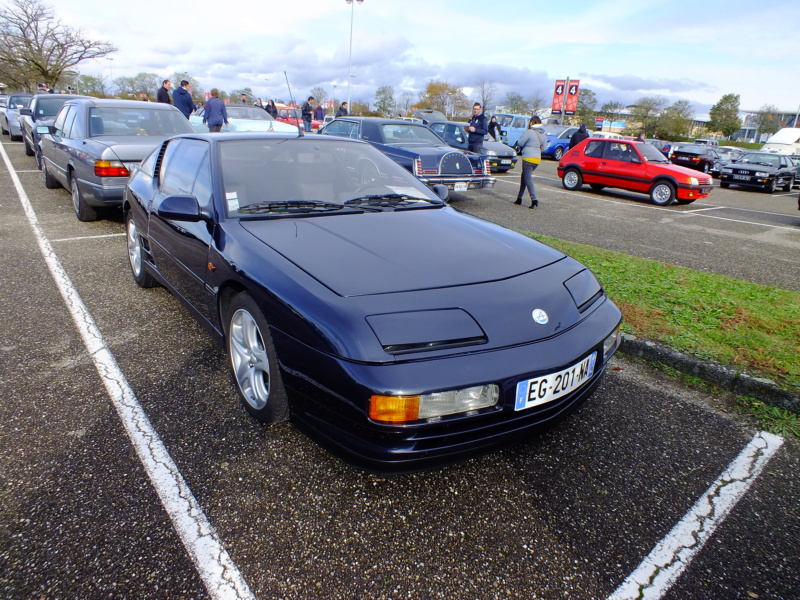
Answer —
215 114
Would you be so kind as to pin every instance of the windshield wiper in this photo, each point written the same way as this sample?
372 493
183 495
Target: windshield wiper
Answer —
381 201
290 207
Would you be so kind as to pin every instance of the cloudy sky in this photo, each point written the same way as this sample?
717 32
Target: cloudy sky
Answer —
621 49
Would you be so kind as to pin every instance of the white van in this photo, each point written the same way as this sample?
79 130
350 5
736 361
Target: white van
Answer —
786 141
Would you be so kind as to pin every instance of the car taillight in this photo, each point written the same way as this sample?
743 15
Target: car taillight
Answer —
110 168
487 168
418 167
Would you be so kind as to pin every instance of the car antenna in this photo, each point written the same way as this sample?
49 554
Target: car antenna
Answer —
291 97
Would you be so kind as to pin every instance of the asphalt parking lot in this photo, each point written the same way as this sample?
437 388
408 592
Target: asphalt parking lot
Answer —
573 513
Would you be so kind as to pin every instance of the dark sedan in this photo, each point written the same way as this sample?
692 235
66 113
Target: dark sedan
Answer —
42 111
395 330
419 150
696 156
93 145
760 170
500 156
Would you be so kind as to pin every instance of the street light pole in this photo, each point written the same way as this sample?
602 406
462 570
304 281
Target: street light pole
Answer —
350 60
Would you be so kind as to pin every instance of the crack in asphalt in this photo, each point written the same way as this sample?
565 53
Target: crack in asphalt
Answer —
670 557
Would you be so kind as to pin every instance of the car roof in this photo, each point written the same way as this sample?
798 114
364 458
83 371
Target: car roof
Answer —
382 121
116 103
266 135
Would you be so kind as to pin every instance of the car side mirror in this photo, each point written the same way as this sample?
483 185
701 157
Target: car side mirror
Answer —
635 159
26 111
180 208
441 191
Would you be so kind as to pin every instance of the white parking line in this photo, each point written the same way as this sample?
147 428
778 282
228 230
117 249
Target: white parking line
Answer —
672 555
218 572
88 237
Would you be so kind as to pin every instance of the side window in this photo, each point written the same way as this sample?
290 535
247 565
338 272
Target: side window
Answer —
594 149
180 166
438 128
59 123
70 121
519 123
203 188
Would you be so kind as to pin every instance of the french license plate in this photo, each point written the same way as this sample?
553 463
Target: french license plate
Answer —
705 190
547 388
460 187
505 162
743 177
683 158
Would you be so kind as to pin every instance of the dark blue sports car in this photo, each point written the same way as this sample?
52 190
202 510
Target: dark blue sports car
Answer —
396 331
419 150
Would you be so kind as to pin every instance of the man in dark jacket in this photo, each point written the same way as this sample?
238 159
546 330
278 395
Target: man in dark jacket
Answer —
342 112
163 92
183 99
477 129
308 111
578 136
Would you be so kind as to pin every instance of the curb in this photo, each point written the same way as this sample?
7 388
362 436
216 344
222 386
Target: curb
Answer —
716 374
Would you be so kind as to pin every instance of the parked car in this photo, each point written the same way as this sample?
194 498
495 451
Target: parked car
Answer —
661 145
632 166
705 142
9 117
512 126
41 111
760 170
294 116
243 118
94 143
419 150
393 329
696 156
558 140
500 156
428 116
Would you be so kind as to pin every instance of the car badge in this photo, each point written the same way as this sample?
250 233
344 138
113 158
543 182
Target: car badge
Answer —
540 316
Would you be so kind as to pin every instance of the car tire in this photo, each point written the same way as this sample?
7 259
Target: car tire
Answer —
254 362
558 153
771 186
662 193
706 168
572 179
597 187
789 185
135 254
83 211
724 185
50 182
28 149
14 138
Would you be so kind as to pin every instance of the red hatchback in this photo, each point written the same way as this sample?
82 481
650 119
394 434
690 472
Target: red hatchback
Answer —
632 166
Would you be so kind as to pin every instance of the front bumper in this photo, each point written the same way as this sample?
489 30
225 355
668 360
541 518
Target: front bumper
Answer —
502 162
331 409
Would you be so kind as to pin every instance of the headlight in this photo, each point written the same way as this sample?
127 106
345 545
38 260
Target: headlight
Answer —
406 409
611 343
727 170
762 174
693 181
492 153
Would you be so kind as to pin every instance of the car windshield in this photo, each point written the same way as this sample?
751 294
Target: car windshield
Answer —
265 178
19 101
766 160
555 130
129 121
692 149
407 133
248 112
651 154
49 106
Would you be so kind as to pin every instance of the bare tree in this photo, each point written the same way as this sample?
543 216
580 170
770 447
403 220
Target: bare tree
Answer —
37 47
487 93
320 95
404 102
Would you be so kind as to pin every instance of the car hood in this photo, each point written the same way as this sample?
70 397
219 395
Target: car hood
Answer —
380 253
128 148
423 149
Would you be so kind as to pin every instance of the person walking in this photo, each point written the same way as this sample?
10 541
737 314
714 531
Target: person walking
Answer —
271 109
243 98
532 144
342 112
258 103
215 114
183 99
319 113
163 92
308 111
477 129
579 136
494 129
